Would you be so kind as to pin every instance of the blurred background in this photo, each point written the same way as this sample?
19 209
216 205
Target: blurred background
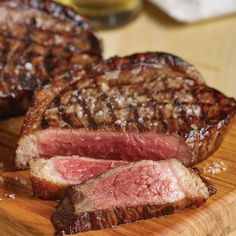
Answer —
199 31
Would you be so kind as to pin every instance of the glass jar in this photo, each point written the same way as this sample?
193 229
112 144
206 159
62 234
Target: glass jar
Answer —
106 13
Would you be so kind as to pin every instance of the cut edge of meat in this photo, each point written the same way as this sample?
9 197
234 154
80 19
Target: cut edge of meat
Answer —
74 213
103 145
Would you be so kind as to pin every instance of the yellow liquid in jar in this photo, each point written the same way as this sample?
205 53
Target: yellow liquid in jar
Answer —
107 13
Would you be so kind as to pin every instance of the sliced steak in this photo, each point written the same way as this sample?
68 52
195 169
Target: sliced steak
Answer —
145 106
132 192
39 42
50 178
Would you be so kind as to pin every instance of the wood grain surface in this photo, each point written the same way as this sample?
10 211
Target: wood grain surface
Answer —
27 216
211 47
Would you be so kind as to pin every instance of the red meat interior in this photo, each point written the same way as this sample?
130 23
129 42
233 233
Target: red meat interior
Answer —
76 169
111 145
137 184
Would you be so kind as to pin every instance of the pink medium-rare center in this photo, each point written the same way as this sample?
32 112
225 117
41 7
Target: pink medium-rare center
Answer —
78 170
138 185
104 145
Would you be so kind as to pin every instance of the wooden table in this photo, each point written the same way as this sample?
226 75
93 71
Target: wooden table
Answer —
211 46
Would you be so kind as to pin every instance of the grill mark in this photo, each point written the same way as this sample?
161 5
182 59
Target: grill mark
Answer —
139 125
174 90
91 121
57 102
159 111
27 40
43 123
186 119
162 120
77 50
201 144
55 9
181 116
47 66
47 32
112 112
3 77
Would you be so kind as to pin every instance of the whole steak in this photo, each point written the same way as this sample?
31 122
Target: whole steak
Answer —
145 106
39 41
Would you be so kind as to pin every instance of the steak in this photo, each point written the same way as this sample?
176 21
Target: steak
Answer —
144 106
132 192
50 178
39 42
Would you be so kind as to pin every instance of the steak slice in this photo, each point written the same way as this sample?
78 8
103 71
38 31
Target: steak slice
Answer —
50 178
145 106
39 42
132 192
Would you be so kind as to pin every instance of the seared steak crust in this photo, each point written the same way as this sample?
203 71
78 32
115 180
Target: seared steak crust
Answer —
39 40
122 71
48 190
109 218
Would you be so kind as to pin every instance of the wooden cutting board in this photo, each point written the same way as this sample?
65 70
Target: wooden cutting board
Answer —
211 47
28 216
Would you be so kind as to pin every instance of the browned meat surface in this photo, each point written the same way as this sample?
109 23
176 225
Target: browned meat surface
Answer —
39 42
132 192
50 178
145 106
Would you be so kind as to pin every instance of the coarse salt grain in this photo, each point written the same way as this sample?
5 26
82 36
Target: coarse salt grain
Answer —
123 123
117 122
23 181
58 39
104 87
215 167
100 113
120 100
75 93
28 66
140 120
80 114
12 196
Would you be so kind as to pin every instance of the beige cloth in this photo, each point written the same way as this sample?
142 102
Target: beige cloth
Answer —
195 10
